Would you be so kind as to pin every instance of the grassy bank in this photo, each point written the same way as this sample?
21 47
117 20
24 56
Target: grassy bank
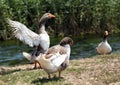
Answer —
98 70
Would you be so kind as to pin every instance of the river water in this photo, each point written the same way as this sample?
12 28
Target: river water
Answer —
11 50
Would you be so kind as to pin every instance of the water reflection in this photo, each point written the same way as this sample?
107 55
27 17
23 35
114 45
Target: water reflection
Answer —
11 51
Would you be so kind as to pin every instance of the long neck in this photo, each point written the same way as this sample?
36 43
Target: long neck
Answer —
42 23
105 38
68 49
42 29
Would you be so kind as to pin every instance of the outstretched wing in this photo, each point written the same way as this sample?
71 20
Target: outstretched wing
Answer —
24 34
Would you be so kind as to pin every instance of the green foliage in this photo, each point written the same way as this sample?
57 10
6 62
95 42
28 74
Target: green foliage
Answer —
73 17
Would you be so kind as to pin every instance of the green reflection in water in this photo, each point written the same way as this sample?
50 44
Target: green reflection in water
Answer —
11 51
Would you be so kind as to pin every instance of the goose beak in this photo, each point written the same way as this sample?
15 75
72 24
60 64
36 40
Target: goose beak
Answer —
51 16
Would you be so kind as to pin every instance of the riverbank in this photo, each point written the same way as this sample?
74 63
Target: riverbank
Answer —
98 70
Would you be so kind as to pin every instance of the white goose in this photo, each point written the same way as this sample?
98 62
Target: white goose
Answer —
40 41
104 47
56 58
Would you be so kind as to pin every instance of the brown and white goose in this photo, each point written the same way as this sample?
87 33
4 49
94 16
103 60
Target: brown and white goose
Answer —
104 47
56 57
40 41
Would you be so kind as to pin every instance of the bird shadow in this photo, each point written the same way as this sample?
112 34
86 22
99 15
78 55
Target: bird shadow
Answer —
46 80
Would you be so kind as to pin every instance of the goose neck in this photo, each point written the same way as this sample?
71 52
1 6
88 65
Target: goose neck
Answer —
104 38
42 29
67 46
42 23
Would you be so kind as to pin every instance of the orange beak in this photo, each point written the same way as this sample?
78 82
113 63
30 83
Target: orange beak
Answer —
51 16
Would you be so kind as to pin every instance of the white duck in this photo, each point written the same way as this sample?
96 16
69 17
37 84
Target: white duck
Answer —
40 41
56 58
104 47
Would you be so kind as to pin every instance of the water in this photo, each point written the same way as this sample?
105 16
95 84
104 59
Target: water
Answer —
11 51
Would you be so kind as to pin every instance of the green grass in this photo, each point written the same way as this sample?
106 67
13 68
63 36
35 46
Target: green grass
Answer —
37 77
100 69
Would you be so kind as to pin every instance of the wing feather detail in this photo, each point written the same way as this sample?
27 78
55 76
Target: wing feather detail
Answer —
59 59
21 32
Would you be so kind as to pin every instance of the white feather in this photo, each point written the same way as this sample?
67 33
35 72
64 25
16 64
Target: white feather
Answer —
52 64
24 34
104 48
29 57
59 60
44 41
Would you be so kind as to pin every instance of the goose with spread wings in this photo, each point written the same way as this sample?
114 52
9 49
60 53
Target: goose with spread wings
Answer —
56 58
40 41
